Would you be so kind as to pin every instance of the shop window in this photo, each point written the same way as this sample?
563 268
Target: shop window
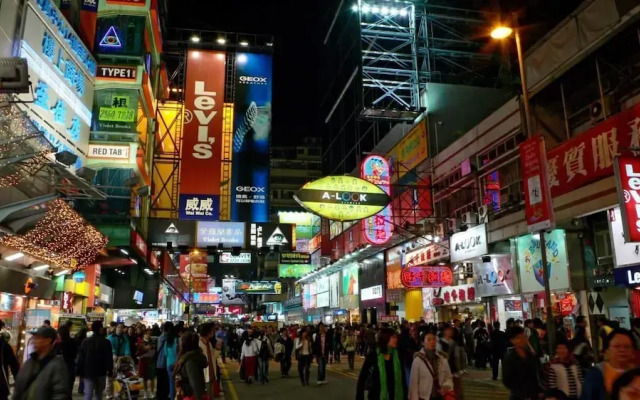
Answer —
501 150
604 252
502 189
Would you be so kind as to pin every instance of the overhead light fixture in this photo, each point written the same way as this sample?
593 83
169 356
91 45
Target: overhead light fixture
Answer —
403 12
123 251
384 10
41 267
63 272
354 8
221 40
394 11
269 44
244 43
133 260
14 257
375 9
501 32
195 39
366 8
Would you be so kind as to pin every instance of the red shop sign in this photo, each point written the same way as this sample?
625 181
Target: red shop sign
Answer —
627 171
566 306
426 276
425 255
538 205
138 243
589 157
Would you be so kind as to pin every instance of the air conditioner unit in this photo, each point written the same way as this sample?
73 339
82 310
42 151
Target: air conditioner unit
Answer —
452 225
467 218
483 214
598 110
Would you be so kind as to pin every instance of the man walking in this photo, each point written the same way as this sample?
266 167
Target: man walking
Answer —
520 369
498 343
210 373
44 375
120 348
321 349
287 343
95 362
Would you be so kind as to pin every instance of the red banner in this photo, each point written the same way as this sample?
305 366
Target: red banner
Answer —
589 157
88 22
538 204
627 171
202 135
138 243
326 244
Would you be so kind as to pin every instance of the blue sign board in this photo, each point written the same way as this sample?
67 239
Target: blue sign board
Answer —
201 207
212 233
627 276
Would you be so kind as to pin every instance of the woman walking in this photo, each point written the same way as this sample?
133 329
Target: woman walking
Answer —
248 357
382 370
189 369
304 353
431 376
563 372
146 364
171 355
350 341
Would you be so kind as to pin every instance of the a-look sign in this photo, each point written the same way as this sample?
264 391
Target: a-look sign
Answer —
469 244
627 171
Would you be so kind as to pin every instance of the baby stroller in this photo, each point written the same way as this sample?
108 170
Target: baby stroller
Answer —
127 384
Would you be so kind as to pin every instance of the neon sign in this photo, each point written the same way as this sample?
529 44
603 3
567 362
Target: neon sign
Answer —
111 39
377 229
426 276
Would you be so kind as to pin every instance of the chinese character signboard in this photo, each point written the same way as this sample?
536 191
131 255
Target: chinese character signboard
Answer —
212 233
251 137
454 295
295 258
115 110
427 254
206 298
627 170
589 157
377 229
202 136
538 204
426 276
342 198
409 152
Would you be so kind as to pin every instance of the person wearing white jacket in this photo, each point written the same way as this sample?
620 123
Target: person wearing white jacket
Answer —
427 364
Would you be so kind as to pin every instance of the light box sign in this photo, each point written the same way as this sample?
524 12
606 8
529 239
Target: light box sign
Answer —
295 258
426 276
494 278
259 287
342 198
206 298
371 293
471 243
350 280
409 152
178 233
117 73
212 233
120 35
322 299
427 254
627 171
226 257
378 229
530 262
625 253
109 152
294 270
115 110
202 136
271 235
538 204
251 137
628 276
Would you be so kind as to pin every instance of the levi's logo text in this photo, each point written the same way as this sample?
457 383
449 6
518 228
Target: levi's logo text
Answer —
204 114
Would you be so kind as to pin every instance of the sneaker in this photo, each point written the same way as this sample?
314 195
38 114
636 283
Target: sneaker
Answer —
319 383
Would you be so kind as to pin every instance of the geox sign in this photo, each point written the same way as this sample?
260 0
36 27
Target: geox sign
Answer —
469 244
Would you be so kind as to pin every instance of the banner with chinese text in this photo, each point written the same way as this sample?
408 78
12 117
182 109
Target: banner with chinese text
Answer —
538 204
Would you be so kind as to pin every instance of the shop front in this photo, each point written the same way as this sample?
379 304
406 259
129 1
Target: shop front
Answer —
458 302
495 280
372 280
394 293
293 310
350 299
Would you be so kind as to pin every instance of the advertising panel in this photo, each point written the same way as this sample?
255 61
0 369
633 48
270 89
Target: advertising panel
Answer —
295 258
226 257
414 204
454 295
315 243
625 253
294 270
342 198
62 71
537 196
350 280
589 156
469 244
229 295
109 152
322 285
334 290
627 171
427 254
628 276
426 276
117 73
322 299
251 138
371 293
178 233
271 235
115 110
494 278
193 267
409 152
206 298
212 233
202 136
394 266
259 287
306 297
379 228
120 35
530 263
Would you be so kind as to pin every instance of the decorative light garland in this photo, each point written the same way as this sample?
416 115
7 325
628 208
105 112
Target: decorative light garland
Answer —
23 169
62 238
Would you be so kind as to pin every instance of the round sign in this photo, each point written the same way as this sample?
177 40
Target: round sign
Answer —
79 277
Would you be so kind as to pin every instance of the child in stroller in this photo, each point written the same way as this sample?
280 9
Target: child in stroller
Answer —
127 384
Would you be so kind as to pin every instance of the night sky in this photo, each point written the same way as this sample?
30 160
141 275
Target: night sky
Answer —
296 26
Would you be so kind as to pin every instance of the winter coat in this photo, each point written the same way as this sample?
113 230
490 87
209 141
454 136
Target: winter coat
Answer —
191 367
9 363
521 375
421 380
95 357
51 382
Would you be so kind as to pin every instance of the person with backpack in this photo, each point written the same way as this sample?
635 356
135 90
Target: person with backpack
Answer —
431 376
282 352
188 373
264 355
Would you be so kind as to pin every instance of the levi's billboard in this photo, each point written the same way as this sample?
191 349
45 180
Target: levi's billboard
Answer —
202 136
627 171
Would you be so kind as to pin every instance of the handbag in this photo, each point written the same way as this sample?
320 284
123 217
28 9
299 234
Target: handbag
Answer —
448 395
241 371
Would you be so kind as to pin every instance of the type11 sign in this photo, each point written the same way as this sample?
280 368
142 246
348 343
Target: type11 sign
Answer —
627 170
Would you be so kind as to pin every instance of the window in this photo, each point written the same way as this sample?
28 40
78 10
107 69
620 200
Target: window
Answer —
313 151
502 188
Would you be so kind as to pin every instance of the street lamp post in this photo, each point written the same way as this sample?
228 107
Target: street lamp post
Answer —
503 32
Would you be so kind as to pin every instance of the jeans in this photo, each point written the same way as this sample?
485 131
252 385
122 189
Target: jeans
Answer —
351 357
263 370
322 368
172 384
285 366
96 385
304 363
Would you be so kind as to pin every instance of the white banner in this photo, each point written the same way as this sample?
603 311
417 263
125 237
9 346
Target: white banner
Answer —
625 253
334 290
371 293
469 244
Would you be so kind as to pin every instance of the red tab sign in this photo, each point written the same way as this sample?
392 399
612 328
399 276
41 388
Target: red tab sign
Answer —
627 170
538 205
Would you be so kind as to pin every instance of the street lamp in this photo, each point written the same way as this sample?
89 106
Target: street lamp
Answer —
501 32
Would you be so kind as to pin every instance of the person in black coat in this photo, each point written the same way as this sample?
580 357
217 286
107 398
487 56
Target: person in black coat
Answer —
9 363
95 361
287 342
369 378
322 346
68 349
498 344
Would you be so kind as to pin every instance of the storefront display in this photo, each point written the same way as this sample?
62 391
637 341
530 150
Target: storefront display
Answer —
530 263
495 277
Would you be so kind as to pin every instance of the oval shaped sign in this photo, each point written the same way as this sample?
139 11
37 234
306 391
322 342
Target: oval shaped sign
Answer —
425 276
342 198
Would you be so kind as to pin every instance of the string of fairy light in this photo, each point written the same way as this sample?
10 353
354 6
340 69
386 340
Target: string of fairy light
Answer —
24 169
62 238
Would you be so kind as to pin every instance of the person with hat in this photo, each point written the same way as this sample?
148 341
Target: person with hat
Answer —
44 375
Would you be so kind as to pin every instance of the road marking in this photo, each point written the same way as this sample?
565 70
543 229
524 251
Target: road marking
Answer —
232 389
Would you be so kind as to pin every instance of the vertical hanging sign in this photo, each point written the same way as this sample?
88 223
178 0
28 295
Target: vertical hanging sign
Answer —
251 138
88 22
538 204
378 228
202 136
627 171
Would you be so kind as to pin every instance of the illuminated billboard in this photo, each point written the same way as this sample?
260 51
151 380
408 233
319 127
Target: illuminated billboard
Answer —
408 152
342 198
379 228
424 276
115 110
294 270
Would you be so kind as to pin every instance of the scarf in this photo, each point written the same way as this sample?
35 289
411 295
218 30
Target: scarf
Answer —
567 362
397 376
